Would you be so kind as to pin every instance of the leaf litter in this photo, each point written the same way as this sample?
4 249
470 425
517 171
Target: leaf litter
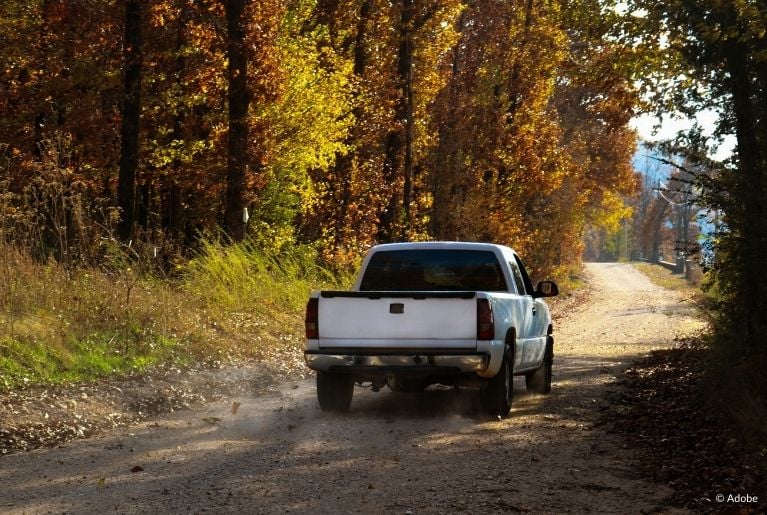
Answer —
683 441
46 416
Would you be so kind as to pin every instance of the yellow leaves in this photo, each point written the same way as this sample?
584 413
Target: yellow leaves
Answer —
612 211
433 43
162 13
312 117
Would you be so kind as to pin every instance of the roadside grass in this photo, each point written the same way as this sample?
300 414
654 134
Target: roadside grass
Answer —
664 277
569 279
573 289
62 324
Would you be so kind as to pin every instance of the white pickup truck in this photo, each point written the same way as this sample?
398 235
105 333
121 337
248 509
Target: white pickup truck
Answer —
458 314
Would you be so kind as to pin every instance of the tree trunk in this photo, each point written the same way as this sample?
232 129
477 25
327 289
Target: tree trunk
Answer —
748 224
174 211
444 174
39 122
343 166
515 93
144 204
407 192
398 137
657 224
239 101
131 114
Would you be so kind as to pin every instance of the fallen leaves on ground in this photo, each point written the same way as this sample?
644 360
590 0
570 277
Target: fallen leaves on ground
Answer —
45 416
683 441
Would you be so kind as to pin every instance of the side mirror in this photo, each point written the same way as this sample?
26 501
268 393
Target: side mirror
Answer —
546 289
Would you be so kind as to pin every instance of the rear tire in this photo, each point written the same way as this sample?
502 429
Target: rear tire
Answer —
539 381
496 397
334 391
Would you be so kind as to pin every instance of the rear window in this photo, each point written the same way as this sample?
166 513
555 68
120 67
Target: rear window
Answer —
433 270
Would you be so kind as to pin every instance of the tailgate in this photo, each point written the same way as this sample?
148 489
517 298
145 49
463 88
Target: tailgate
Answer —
398 319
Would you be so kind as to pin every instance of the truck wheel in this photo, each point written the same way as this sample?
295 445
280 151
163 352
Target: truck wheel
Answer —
539 381
334 391
497 395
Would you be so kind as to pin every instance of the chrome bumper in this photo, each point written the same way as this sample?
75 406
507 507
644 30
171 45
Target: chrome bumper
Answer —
462 363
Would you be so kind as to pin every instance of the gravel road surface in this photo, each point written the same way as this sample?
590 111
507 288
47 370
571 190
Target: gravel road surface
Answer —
276 452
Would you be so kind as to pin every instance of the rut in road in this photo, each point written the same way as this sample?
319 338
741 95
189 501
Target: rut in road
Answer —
393 453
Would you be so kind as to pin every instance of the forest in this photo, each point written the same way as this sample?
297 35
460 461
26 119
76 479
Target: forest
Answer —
337 124
133 134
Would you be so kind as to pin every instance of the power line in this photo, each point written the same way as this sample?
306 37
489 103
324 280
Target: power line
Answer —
660 191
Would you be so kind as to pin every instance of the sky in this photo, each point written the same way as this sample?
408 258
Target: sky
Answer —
646 125
644 163
649 128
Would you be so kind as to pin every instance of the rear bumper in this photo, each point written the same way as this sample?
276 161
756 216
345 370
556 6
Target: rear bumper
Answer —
354 362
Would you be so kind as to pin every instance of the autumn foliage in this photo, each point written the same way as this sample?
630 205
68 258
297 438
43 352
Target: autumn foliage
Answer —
335 123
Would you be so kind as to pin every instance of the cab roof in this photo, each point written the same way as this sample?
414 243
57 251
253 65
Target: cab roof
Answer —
442 245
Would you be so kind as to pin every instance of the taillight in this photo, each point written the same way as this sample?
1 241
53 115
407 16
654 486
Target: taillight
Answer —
311 321
485 323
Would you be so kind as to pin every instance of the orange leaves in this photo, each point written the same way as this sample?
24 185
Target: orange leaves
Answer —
517 113
54 11
513 152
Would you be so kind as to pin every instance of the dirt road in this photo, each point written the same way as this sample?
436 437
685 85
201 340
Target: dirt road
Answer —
393 453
